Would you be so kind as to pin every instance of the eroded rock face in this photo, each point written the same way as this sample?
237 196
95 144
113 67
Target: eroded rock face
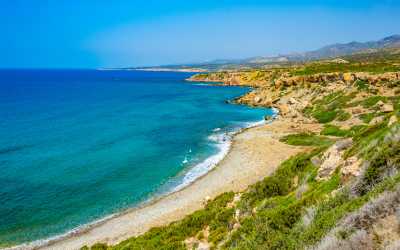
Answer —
377 120
333 158
351 166
392 120
387 108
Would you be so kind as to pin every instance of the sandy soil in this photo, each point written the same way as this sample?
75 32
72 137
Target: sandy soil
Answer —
255 153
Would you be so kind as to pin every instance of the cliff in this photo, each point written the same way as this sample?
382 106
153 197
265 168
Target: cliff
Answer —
341 193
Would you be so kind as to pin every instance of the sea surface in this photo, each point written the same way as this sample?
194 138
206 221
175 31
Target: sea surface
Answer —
79 145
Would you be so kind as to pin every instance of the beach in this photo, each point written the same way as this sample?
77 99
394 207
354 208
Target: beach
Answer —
255 153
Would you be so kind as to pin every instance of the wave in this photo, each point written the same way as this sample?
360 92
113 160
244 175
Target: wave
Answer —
221 140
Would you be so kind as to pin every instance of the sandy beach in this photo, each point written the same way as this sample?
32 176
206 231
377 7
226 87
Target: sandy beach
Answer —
255 153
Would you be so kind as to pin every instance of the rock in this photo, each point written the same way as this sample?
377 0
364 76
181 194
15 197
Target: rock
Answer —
316 161
377 120
294 126
284 109
356 110
392 120
203 246
352 166
348 77
207 199
339 60
380 103
387 108
268 118
292 101
332 159
343 144
257 99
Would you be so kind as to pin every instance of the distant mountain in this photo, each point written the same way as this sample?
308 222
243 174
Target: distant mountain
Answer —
329 51
340 49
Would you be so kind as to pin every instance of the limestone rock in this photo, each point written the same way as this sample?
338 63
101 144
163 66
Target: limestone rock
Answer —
284 109
257 99
356 110
203 246
387 108
377 120
292 101
352 166
316 161
380 103
332 159
348 77
392 120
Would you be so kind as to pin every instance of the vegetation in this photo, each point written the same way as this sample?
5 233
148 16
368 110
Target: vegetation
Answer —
292 208
306 139
375 67
330 107
335 131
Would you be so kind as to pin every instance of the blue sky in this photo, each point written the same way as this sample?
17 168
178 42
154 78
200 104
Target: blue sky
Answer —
120 33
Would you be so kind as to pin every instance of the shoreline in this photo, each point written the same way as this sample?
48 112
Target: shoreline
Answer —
257 148
156 197
176 203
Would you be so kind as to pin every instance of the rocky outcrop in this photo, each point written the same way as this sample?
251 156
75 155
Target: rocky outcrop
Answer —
332 159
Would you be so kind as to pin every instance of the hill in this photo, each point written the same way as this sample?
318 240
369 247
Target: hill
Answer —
326 52
341 192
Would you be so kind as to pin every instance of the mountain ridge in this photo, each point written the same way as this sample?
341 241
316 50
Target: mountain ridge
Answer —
325 52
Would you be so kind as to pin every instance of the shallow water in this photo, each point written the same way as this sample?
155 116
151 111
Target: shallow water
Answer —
77 145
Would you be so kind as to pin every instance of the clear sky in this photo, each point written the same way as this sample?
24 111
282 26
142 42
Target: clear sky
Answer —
120 33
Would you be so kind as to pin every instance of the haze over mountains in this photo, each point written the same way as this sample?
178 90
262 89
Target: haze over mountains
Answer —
329 51
333 50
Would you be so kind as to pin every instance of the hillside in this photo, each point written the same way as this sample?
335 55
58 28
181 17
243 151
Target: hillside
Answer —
341 192
326 52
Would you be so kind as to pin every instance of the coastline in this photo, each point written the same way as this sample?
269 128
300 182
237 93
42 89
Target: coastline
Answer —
226 143
255 153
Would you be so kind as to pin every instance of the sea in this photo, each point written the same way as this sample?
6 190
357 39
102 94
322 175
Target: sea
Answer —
77 146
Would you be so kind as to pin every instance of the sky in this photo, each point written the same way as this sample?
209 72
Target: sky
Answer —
122 33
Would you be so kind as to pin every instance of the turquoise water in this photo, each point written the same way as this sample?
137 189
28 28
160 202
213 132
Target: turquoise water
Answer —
78 145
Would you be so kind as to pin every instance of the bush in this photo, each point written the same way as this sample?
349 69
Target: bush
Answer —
343 116
372 100
335 131
325 116
361 85
306 139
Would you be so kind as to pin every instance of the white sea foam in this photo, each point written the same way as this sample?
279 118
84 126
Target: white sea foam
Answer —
223 142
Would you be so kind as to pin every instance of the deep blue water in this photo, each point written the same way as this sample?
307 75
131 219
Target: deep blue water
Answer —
77 145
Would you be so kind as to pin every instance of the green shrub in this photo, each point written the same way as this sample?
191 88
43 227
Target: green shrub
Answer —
343 116
306 139
335 131
367 117
361 85
372 100
325 116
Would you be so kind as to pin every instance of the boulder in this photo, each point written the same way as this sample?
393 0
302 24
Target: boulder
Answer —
316 161
380 103
377 120
348 77
392 120
387 108
203 246
284 109
292 101
356 110
332 158
257 99
352 166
